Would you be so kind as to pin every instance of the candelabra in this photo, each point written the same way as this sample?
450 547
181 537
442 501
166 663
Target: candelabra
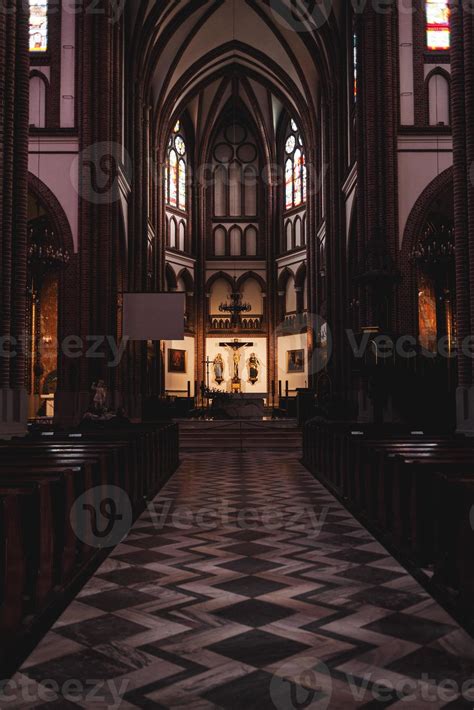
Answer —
43 254
435 248
236 306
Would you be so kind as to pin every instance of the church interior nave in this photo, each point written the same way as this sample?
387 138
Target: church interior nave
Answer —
237 280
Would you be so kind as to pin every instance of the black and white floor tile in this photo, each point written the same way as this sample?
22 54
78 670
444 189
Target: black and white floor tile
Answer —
247 585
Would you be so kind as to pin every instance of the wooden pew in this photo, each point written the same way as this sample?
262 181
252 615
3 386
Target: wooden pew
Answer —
41 477
64 491
12 560
155 451
391 479
96 461
414 499
37 537
454 564
126 466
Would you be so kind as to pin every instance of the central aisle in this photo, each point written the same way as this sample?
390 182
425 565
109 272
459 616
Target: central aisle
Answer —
230 584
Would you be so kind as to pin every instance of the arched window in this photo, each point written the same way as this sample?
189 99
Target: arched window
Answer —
219 241
289 235
438 36
251 241
298 235
172 233
354 59
182 236
295 168
235 191
235 239
37 101
176 167
38 25
438 99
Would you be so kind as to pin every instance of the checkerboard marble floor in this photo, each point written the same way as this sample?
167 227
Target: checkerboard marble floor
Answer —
246 584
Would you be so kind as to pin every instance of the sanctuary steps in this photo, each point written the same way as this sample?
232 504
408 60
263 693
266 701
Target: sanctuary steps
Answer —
266 435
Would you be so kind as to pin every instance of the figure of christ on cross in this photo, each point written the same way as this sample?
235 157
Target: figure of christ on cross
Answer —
235 345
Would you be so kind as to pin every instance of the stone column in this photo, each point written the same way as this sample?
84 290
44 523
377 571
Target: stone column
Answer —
462 108
377 214
14 111
97 203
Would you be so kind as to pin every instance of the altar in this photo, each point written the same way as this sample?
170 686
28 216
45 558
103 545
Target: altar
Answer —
238 406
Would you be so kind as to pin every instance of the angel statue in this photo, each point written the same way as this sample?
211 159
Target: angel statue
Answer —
100 395
218 369
254 364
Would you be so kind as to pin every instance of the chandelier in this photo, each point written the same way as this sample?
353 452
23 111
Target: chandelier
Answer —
436 247
44 255
236 306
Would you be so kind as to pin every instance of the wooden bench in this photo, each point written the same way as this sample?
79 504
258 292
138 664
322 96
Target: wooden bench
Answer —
63 490
41 478
35 540
415 489
12 560
454 564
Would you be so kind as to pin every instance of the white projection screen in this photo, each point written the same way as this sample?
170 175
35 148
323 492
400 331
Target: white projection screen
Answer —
153 316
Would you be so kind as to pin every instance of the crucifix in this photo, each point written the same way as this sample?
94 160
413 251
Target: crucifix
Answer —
235 345
207 362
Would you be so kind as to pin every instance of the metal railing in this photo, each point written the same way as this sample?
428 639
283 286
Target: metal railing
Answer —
249 323
257 424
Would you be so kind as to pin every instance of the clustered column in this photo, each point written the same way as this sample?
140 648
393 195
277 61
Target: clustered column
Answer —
377 214
462 107
14 111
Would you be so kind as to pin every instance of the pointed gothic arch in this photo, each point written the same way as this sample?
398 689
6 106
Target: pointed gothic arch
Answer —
171 280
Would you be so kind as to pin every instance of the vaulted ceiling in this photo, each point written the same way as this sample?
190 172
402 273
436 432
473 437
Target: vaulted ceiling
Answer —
189 53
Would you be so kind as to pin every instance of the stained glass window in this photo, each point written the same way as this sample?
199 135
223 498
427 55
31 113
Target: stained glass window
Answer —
38 25
290 144
289 184
182 185
354 65
295 168
437 24
176 167
298 178
173 179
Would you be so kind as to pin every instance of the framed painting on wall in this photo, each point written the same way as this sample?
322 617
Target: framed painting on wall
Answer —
176 360
295 361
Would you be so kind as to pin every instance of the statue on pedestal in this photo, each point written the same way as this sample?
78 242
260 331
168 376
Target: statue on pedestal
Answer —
253 364
100 395
218 369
